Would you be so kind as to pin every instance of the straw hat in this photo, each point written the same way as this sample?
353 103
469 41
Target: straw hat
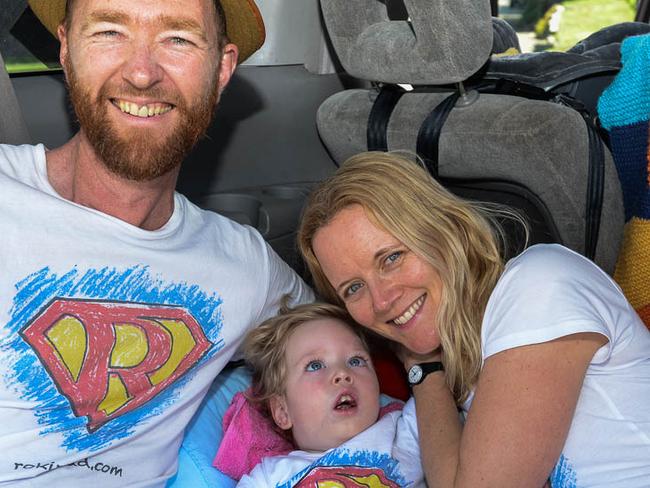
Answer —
245 27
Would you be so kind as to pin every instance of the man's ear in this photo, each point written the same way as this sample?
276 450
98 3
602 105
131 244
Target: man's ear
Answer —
63 39
228 65
280 412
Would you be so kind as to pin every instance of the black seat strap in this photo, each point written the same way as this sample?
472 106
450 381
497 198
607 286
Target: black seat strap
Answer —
596 169
377 132
595 176
428 142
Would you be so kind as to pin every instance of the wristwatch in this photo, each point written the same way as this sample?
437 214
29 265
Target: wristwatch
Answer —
418 372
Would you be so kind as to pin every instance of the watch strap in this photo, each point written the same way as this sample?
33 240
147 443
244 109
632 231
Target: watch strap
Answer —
428 368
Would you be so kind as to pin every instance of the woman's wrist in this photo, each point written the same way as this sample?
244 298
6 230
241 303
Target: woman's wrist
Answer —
432 380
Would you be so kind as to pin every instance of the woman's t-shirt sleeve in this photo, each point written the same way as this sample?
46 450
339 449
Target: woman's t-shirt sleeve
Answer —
549 292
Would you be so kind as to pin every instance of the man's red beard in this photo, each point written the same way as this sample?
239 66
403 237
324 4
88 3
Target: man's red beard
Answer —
140 155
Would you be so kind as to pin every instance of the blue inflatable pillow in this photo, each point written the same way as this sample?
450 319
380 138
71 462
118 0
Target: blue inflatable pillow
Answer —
204 433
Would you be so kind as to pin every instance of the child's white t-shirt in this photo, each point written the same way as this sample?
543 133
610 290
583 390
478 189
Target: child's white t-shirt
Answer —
386 454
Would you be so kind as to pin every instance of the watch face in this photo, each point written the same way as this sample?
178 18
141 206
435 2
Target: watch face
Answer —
415 374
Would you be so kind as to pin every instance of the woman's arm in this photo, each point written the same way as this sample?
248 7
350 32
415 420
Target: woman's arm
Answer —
520 416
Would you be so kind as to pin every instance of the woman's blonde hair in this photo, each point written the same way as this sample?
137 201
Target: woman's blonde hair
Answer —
458 238
266 345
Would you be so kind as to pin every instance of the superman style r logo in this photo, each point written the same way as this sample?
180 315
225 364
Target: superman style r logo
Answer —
345 477
109 358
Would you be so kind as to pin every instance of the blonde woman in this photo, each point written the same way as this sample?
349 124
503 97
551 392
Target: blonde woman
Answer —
544 354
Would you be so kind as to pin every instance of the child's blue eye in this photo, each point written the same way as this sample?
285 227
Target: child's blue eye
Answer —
357 361
314 365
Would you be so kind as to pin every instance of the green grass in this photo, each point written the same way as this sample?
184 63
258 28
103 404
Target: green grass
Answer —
26 67
583 17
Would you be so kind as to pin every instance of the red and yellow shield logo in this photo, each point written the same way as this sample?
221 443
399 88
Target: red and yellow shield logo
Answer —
345 477
108 358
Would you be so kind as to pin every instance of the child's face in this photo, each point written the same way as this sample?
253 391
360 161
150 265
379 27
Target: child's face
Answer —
331 389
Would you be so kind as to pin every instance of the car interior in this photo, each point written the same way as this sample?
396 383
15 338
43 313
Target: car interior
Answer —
429 78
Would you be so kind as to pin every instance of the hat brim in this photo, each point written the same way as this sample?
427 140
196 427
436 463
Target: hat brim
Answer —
244 24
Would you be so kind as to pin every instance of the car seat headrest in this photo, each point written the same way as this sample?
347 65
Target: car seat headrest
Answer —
444 41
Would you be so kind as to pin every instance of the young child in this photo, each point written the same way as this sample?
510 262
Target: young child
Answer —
313 371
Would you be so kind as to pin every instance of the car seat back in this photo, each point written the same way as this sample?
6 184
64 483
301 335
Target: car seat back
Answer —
531 154
13 129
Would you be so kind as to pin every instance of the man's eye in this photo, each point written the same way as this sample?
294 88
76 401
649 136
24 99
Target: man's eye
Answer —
357 361
314 365
108 33
180 41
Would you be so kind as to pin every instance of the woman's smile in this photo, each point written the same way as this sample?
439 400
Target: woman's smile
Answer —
410 312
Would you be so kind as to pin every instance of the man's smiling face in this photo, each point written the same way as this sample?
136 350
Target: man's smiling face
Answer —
144 79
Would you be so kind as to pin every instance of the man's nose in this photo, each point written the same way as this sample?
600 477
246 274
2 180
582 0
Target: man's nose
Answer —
142 69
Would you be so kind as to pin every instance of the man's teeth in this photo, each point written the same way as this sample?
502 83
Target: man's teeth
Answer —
144 110
408 315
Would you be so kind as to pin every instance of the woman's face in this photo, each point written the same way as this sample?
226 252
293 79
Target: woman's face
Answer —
385 286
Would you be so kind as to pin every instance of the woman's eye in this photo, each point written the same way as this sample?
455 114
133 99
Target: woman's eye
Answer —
357 361
393 257
352 289
314 366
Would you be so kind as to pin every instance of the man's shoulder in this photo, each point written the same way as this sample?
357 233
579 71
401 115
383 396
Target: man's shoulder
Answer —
18 160
11 152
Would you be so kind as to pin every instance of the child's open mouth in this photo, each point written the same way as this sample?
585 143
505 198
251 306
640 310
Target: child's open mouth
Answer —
345 402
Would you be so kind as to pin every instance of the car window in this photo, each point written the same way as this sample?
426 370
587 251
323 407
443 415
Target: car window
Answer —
553 25
25 45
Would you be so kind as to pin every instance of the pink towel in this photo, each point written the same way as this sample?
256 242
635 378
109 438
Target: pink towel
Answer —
249 436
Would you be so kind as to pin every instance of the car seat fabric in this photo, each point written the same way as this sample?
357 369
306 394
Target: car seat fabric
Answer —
13 129
444 42
501 138
624 110
541 146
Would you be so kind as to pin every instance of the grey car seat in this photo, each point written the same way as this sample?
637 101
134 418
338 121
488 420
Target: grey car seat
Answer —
531 154
13 129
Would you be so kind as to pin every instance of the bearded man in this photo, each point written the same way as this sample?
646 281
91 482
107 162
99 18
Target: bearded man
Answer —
120 300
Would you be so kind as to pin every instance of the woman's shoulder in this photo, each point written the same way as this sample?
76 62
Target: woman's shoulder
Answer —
549 280
547 292
553 263
549 255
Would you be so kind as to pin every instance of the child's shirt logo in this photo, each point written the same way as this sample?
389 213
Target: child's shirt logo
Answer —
108 358
345 477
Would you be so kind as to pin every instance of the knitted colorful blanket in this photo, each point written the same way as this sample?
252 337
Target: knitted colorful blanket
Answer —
624 111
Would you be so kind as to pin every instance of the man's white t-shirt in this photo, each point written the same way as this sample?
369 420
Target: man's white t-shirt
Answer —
549 292
386 454
110 335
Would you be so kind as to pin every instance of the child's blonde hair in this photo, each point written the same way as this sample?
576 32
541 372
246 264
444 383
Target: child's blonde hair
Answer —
265 346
